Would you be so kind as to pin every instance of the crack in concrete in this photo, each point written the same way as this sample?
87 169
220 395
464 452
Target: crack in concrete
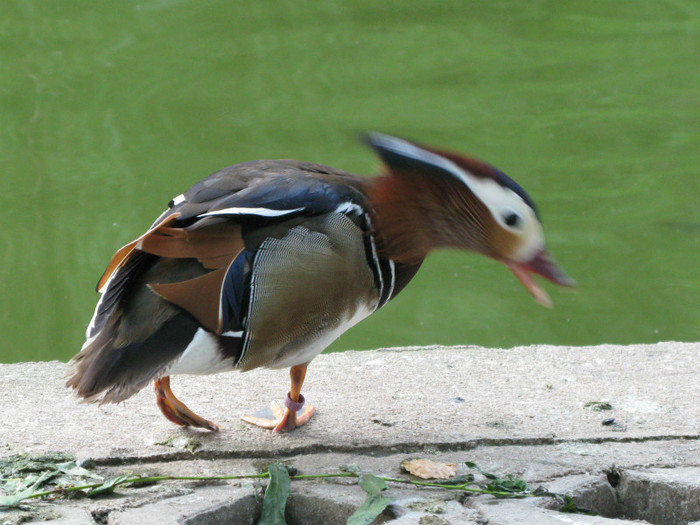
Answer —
379 450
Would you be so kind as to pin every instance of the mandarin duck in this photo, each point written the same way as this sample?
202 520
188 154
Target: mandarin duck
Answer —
265 263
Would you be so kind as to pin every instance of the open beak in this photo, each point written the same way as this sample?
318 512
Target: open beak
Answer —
545 266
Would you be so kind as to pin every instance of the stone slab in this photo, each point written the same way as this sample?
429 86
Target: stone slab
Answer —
385 398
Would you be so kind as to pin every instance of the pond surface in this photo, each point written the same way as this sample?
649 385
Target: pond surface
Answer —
108 110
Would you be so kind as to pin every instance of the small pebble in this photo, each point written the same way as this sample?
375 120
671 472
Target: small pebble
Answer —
608 421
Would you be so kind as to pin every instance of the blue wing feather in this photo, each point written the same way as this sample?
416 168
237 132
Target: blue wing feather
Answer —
235 292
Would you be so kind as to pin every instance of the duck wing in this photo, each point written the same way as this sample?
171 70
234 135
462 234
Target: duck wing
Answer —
193 268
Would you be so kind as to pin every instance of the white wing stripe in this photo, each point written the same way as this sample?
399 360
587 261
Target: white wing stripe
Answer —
261 212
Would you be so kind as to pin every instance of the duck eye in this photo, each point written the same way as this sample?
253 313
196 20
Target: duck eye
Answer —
512 219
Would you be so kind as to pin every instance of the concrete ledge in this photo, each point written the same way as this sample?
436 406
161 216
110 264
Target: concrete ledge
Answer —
517 411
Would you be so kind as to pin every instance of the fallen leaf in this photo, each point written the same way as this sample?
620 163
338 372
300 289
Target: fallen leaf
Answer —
428 469
72 469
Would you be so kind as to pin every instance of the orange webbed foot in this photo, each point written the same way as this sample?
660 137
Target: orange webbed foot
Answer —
175 410
284 419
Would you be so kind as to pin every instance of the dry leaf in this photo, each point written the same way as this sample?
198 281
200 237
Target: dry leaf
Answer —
427 469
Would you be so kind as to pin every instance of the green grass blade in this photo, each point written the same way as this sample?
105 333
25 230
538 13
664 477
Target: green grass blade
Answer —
487 475
373 506
13 500
276 494
108 486
375 503
372 484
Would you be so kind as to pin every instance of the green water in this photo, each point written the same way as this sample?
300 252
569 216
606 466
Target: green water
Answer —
109 109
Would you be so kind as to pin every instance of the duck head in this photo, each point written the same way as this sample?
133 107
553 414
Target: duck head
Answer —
429 198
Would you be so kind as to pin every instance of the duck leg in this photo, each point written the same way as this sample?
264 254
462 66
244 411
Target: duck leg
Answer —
175 410
290 417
